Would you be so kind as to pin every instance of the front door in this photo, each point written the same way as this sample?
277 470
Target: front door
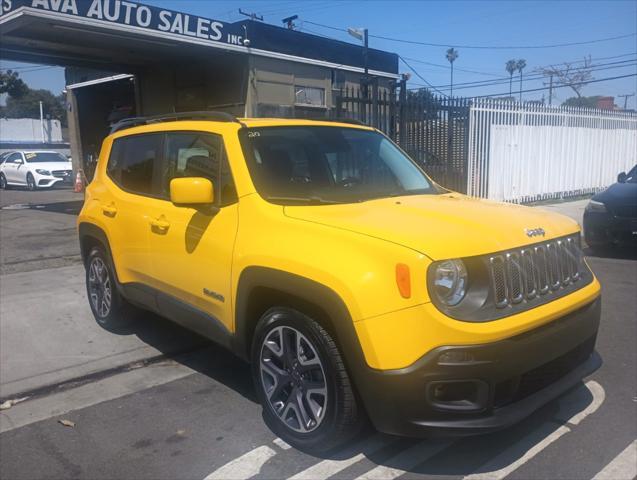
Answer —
191 248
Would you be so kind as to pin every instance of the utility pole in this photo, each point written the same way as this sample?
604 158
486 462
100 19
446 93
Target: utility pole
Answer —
42 120
626 96
551 89
252 16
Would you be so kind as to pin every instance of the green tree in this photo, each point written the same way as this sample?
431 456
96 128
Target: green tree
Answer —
511 66
12 84
452 55
520 66
586 102
28 106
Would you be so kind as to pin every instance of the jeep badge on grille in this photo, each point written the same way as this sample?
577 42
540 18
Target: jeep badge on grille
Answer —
534 232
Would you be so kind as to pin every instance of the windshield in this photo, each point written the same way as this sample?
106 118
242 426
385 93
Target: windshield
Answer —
632 175
41 157
317 165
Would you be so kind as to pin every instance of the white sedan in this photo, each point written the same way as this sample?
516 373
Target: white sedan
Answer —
35 169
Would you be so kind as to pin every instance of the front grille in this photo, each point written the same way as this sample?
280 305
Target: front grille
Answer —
625 211
61 173
537 270
515 389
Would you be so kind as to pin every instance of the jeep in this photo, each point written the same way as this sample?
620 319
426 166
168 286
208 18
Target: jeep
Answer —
358 288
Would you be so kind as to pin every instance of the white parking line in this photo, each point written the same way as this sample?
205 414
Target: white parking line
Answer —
489 470
327 468
245 466
281 444
623 466
510 452
405 461
599 395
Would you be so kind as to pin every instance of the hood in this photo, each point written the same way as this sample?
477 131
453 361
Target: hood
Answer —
50 166
619 194
440 226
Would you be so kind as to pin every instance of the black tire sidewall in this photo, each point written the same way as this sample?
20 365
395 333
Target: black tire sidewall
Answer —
3 181
31 186
114 318
324 434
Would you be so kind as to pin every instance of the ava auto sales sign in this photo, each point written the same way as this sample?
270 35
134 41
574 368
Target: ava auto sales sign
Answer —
123 12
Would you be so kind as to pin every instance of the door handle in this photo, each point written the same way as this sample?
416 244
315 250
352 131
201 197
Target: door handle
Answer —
160 225
109 210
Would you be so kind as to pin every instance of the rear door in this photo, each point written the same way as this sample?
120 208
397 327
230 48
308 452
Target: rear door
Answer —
192 256
11 168
125 204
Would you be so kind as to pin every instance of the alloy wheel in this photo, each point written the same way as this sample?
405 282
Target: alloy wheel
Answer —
99 286
293 379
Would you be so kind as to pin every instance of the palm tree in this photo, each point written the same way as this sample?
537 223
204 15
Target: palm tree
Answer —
511 66
452 54
521 64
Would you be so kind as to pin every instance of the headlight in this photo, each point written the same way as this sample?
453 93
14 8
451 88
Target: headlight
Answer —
450 282
43 172
594 206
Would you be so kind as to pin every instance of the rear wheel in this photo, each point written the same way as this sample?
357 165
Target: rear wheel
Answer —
3 181
109 308
31 182
302 383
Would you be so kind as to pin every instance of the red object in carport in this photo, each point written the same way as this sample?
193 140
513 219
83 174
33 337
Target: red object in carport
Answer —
79 184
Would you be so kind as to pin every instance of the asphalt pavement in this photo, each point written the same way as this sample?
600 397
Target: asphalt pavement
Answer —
157 402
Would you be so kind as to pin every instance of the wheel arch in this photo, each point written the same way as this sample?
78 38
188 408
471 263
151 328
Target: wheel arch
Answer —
91 235
260 288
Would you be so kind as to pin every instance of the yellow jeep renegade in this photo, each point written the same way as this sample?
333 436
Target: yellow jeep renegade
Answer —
356 286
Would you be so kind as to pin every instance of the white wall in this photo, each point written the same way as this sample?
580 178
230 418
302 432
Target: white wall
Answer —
29 130
529 162
522 153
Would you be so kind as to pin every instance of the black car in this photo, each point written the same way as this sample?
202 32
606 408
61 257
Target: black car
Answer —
610 218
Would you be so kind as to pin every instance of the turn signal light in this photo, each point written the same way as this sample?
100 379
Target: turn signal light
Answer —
403 280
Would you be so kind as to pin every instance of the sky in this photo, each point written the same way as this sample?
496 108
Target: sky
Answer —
462 24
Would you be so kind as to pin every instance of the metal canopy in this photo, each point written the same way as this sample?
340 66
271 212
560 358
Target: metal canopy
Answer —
93 34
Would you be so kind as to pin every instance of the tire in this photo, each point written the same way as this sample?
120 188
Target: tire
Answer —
110 309
31 186
3 182
326 413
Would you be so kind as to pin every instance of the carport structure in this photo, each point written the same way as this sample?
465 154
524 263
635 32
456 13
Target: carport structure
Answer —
124 58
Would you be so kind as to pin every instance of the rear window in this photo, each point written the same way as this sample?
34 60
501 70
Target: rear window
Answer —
132 162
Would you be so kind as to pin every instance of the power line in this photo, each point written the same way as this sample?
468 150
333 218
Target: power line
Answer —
483 47
557 86
534 77
421 77
503 77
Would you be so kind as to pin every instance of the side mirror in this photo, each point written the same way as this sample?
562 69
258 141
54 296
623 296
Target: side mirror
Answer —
191 191
621 178
19 161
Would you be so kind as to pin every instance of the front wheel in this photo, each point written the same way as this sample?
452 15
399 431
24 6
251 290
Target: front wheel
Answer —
3 181
31 182
302 384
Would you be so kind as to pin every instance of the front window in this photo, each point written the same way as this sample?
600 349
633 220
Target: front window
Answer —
329 165
44 157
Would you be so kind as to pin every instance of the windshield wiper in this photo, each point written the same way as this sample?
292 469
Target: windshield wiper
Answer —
306 200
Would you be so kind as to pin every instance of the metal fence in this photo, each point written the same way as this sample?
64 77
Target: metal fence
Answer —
527 152
432 130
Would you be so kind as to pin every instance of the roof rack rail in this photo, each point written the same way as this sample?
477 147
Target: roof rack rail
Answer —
169 117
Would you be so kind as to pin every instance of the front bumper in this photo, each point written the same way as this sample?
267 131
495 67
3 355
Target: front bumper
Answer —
601 229
484 387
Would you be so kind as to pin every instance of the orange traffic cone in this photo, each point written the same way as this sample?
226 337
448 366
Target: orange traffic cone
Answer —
79 184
